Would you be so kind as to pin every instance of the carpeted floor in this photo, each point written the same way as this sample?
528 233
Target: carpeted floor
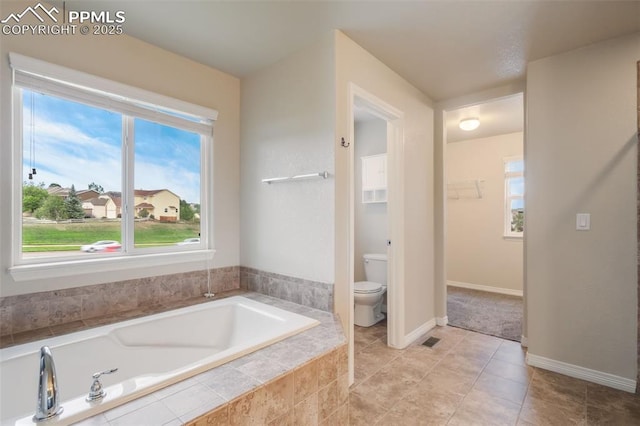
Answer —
489 313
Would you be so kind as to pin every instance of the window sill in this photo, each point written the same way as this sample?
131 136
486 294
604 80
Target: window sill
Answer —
105 265
513 237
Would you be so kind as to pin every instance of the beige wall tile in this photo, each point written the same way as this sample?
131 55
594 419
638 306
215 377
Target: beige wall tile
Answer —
327 368
305 381
343 359
279 397
249 409
327 400
306 412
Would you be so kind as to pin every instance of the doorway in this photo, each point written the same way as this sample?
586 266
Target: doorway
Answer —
387 129
484 173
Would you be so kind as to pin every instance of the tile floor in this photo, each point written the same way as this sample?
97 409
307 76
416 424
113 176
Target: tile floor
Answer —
469 378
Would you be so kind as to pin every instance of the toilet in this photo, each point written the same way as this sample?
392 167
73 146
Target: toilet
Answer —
368 294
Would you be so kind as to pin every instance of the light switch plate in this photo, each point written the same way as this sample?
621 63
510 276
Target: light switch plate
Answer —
583 221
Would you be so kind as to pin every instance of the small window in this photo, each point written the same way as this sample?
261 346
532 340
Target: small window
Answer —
514 197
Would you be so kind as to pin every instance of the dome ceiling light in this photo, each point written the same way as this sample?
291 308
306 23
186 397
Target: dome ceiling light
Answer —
469 124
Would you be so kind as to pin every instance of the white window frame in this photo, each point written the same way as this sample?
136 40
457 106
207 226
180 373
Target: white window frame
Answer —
508 197
33 74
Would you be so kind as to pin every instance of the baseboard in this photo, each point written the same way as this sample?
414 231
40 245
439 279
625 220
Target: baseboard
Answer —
480 287
418 332
578 372
442 321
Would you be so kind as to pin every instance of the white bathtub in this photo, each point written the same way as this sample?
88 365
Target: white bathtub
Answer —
150 353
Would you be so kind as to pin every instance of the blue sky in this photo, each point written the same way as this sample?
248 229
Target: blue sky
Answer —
79 144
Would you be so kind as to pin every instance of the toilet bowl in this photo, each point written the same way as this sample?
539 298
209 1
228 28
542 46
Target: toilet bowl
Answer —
367 295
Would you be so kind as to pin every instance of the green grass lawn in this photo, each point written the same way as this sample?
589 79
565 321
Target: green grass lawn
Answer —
40 237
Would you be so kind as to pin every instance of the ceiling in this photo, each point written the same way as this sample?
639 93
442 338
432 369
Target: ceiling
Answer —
497 117
446 48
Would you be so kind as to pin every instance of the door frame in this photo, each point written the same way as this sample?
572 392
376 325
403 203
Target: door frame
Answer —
395 213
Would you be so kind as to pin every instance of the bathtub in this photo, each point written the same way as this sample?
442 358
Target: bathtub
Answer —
150 353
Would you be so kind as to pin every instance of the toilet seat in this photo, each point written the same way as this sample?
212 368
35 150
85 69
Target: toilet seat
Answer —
366 287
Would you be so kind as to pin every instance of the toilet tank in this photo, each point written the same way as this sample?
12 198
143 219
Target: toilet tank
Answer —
375 268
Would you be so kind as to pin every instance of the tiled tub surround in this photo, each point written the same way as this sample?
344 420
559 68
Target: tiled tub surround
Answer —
314 294
301 380
37 315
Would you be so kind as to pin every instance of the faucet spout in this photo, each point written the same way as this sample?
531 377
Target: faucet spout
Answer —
48 405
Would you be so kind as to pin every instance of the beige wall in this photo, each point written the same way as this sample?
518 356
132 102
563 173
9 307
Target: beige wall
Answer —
371 219
354 64
477 252
133 62
287 130
581 155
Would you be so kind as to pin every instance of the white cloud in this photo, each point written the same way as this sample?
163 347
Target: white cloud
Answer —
67 155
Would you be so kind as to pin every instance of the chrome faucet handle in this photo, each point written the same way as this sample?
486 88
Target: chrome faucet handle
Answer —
97 375
96 391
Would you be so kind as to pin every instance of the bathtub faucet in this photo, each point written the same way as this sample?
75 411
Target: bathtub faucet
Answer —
48 397
96 391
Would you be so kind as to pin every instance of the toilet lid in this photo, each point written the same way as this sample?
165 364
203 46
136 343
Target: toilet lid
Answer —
367 287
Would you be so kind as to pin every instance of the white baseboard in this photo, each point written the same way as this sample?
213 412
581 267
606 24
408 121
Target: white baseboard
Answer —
418 332
500 290
442 321
578 372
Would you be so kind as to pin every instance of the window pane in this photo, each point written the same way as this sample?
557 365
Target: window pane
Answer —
515 166
517 214
72 177
166 186
516 186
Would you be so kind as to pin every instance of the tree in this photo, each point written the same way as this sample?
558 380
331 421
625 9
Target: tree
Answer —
73 205
186 212
53 208
143 213
54 185
33 196
96 187
517 221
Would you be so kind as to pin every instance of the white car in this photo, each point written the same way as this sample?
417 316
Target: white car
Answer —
105 245
189 241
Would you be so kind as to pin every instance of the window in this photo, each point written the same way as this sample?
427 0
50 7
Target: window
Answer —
514 197
104 166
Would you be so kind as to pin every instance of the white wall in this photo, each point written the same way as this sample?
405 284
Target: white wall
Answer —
477 252
130 61
581 154
287 129
354 64
371 220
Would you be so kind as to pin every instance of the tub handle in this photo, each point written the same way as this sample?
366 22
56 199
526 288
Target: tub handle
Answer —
96 391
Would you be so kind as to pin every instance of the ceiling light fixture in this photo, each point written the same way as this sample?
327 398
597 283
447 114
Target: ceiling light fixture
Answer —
469 124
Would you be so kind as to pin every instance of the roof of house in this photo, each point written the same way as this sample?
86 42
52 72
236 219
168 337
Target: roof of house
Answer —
99 201
150 192
83 194
144 206
115 196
